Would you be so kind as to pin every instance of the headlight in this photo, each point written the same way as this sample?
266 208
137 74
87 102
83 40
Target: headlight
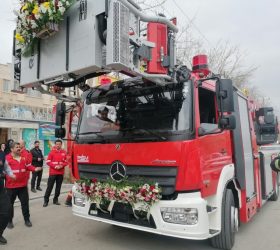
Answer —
79 200
186 216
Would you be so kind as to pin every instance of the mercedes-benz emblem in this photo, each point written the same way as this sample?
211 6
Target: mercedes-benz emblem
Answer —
117 171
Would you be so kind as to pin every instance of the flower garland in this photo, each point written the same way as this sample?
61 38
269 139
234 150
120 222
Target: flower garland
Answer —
36 17
140 196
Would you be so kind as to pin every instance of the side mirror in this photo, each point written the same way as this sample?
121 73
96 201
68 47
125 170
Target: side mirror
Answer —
60 114
227 122
60 132
224 92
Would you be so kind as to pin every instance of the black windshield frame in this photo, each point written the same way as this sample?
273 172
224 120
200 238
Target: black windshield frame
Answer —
138 134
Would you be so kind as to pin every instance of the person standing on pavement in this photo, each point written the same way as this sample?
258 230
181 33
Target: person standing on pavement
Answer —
24 152
7 149
27 155
2 147
56 161
5 205
17 187
2 153
37 161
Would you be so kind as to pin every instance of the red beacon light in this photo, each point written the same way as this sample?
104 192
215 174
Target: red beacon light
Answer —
200 65
104 80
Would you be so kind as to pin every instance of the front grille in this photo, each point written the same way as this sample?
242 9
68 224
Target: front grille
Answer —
123 213
164 176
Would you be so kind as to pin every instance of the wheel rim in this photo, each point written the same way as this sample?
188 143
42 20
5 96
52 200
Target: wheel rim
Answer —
234 219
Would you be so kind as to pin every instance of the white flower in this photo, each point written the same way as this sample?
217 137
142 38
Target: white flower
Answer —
37 16
43 9
59 4
61 9
33 24
67 3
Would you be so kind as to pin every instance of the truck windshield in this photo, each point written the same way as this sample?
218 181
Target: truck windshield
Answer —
130 112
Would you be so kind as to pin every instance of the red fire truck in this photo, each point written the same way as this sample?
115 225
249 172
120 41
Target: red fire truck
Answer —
209 165
190 131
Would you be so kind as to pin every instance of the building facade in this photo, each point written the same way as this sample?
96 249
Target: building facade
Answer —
24 116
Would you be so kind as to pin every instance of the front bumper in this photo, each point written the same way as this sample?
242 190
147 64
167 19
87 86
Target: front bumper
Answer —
199 231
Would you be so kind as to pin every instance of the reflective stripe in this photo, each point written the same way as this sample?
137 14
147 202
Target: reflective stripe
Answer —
55 162
48 161
28 165
19 171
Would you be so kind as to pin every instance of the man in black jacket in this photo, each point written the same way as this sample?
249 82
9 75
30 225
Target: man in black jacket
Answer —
5 204
37 161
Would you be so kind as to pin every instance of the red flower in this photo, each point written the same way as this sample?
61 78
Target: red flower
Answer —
87 188
94 180
152 188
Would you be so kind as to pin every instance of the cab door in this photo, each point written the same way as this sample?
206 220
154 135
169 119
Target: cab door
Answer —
214 144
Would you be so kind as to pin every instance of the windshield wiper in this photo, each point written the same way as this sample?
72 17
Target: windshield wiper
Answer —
93 133
162 138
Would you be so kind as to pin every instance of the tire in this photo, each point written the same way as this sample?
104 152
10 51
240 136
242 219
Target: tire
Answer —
275 195
230 217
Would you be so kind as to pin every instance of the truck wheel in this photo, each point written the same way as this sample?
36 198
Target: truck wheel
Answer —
230 222
275 195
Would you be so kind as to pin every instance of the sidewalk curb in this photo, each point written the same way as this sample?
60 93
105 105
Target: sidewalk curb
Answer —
41 195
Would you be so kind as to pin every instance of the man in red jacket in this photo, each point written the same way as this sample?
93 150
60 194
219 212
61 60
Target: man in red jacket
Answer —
57 162
27 155
17 187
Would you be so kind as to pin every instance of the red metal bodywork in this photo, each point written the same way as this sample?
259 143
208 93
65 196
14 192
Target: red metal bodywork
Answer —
200 160
197 169
157 33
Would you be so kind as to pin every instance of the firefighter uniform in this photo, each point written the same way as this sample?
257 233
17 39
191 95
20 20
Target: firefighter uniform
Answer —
18 187
28 157
55 158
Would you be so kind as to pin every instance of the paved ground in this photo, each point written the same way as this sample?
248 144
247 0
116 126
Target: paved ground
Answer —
55 227
65 188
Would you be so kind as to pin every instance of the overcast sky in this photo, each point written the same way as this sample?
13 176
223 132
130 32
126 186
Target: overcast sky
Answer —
252 25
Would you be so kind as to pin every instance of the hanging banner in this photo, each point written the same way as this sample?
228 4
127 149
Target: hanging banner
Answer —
29 136
47 131
48 145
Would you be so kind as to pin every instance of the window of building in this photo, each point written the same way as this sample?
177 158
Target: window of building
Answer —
7 85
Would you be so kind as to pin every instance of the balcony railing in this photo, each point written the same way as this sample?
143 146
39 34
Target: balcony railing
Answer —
26 113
